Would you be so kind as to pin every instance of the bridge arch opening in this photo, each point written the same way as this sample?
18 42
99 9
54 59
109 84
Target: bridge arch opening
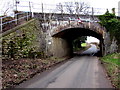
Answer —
86 45
69 35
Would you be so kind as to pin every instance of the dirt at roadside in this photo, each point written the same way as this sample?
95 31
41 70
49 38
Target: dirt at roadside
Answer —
15 72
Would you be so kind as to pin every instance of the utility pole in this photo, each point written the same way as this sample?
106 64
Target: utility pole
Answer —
16 2
92 12
30 9
30 6
43 13
13 3
119 8
42 7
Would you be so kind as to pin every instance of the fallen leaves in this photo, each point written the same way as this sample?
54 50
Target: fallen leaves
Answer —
16 71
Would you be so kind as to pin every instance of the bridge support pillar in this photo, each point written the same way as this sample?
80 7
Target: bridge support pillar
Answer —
102 50
61 47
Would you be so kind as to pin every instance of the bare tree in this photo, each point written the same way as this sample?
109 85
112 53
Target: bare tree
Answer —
69 7
59 7
83 8
8 8
77 7
74 7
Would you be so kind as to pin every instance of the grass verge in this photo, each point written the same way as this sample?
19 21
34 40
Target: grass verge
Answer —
112 65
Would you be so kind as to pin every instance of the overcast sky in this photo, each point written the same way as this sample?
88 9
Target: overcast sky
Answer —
93 3
103 4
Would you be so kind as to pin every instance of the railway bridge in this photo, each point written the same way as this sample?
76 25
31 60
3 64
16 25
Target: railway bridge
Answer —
61 31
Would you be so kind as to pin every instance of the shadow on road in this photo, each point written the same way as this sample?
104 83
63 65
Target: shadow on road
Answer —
88 54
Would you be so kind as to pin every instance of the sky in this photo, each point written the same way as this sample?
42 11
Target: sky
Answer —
92 39
98 5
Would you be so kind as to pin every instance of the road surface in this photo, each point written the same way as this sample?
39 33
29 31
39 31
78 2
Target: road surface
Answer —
78 72
92 50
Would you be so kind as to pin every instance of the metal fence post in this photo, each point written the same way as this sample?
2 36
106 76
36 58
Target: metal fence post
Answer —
0 46
30 14
1 52
27 16
1 24
16 18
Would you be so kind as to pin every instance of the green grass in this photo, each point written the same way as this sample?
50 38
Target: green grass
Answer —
112 58
83 44
112 63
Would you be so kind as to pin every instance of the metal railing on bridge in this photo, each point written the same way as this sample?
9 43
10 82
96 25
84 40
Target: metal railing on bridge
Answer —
88 25
8 22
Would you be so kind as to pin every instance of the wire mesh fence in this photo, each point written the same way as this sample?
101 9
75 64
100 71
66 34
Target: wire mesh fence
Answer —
8 22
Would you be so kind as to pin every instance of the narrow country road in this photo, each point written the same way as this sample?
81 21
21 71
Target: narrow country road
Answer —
78 72
92 50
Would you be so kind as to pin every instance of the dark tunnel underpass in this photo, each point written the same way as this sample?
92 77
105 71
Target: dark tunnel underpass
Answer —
73 33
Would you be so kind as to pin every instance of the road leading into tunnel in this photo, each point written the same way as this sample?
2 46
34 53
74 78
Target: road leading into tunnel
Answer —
78 72
92 50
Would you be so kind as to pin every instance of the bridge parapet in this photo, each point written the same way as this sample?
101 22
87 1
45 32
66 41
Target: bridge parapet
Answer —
54 23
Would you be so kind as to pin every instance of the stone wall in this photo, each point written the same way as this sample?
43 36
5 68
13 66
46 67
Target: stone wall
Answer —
110 45
29 35
61 47
113 46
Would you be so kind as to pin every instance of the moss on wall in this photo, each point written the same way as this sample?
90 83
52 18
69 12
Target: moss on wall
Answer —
22 41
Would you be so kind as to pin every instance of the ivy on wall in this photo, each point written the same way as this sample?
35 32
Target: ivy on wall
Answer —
112 24
21 43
